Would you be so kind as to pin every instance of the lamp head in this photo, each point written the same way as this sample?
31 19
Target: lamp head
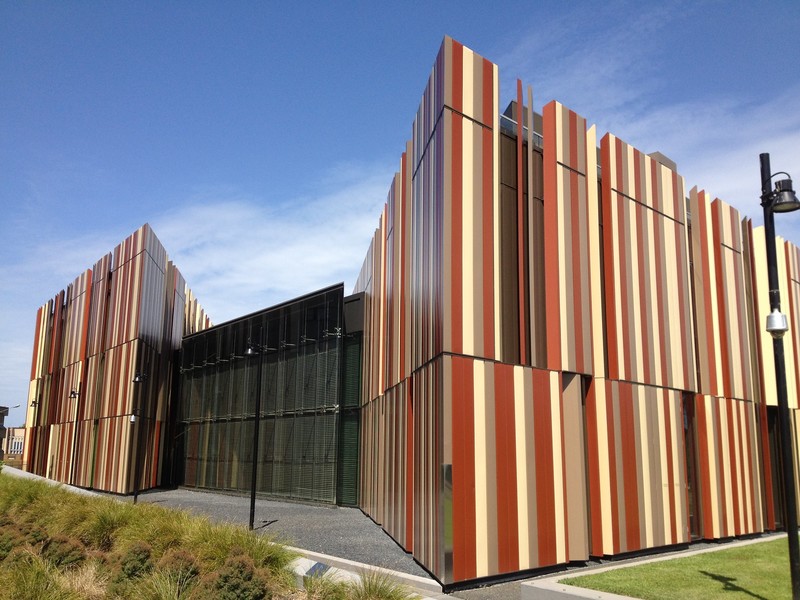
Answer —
783 198
777 324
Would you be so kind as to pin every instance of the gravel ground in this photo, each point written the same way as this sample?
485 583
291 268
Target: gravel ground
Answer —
338 531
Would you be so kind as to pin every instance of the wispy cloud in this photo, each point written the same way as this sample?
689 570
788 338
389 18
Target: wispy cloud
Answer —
241 252
238 251
616 79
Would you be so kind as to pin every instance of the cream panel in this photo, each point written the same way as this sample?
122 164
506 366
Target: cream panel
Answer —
522 434
468 265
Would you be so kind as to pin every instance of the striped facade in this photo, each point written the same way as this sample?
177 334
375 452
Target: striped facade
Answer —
564 352
88 424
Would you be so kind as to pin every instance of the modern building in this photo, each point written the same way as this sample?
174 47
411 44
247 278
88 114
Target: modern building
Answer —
102 370
12 446
564 352
553 352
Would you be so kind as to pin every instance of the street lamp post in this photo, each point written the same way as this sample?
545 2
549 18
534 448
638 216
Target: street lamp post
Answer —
137 467
255 350
781 199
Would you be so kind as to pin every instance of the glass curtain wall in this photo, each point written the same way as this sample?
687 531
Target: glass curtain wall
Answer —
298 348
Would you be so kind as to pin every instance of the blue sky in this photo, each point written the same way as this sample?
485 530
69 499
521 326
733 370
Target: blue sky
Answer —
259 138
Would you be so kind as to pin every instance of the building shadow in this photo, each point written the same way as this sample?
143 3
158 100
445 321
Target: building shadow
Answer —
729 585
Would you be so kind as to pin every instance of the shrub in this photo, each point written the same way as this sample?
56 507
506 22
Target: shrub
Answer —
180 563
136 561
236 580
63 552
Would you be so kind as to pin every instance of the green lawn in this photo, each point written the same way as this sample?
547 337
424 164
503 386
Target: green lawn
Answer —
754 571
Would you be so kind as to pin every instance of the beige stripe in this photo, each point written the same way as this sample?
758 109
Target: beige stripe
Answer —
558 466
562 316
604 464
475 206
481 483
468 266
468 85
522 433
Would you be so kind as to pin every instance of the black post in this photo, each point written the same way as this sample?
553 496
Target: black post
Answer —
138 462
258 352
787 453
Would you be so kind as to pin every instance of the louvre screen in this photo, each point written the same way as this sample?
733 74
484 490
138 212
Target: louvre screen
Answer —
297 374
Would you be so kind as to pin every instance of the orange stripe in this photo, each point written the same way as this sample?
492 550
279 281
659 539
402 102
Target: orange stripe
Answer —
488 92
458 76
705 467
612 464
552 260
410 457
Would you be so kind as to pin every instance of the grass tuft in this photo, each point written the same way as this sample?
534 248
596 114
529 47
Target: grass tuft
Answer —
375 585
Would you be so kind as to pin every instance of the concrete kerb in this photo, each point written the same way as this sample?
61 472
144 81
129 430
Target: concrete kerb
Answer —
310 564
549 588
316 563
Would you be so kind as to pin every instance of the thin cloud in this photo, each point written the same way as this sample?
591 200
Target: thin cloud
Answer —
613 78
241 253
238 252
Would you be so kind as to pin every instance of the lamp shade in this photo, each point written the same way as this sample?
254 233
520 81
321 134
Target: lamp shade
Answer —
785 200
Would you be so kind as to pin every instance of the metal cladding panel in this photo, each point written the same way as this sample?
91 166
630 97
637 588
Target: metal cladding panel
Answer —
461 81
729 467
513 446
98 305
790 304
42 338
720 307
122 317
77 315
85 453
401 485
636 463
648 310
572 248
59 454
786 252
114 448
